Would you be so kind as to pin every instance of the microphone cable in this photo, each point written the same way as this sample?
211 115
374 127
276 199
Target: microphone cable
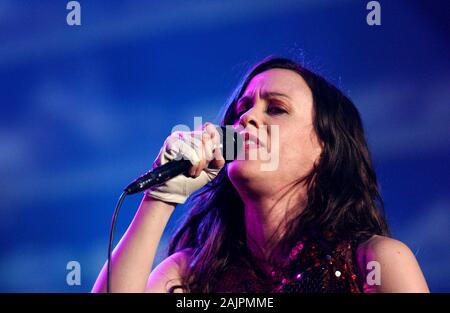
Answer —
111 239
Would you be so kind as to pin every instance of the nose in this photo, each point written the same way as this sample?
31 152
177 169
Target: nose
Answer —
250 117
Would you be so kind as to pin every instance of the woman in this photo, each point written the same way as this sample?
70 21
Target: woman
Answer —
314 224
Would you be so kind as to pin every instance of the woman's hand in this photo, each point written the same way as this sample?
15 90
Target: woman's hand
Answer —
202 148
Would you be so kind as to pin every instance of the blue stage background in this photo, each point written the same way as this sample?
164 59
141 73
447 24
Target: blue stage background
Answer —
85 109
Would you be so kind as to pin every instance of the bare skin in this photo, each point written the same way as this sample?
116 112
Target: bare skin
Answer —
400 271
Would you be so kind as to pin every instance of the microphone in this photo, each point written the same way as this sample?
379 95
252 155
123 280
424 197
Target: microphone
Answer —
229 145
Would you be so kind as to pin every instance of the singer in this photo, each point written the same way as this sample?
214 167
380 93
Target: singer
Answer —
314 224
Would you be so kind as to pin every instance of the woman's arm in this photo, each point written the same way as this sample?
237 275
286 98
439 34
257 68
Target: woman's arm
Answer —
132 259
395 265
133 256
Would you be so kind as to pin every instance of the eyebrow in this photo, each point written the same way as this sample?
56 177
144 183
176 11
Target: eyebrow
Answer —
265 95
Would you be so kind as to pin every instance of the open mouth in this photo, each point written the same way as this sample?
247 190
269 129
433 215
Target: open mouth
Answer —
251 141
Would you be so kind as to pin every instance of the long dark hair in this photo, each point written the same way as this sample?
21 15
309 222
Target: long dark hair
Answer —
342 189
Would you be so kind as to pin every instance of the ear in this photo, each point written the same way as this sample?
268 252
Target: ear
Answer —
319 154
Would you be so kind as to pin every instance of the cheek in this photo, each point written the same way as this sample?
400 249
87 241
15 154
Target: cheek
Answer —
297 152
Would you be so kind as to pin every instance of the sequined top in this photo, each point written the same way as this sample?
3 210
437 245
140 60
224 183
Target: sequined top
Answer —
314 266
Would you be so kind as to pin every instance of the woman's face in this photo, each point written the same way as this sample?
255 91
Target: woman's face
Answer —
277 107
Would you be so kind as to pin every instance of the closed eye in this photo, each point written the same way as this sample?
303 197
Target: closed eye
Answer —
276 110
273 109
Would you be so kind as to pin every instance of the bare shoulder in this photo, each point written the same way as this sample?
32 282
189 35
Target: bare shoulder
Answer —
383 244
389 266
168 273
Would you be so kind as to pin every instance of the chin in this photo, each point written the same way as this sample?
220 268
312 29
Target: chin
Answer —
248 178
245 170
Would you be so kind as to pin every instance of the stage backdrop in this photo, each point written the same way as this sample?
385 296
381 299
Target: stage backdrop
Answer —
85 109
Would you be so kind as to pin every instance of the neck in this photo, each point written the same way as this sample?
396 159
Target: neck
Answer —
266 218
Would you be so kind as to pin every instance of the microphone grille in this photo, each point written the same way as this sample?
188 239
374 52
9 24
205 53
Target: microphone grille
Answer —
231 142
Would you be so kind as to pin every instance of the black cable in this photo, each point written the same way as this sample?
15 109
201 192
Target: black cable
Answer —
111 240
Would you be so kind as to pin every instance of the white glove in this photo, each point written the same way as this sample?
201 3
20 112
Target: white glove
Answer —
198 147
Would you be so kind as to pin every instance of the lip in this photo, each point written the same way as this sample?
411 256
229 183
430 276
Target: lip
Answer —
248 136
